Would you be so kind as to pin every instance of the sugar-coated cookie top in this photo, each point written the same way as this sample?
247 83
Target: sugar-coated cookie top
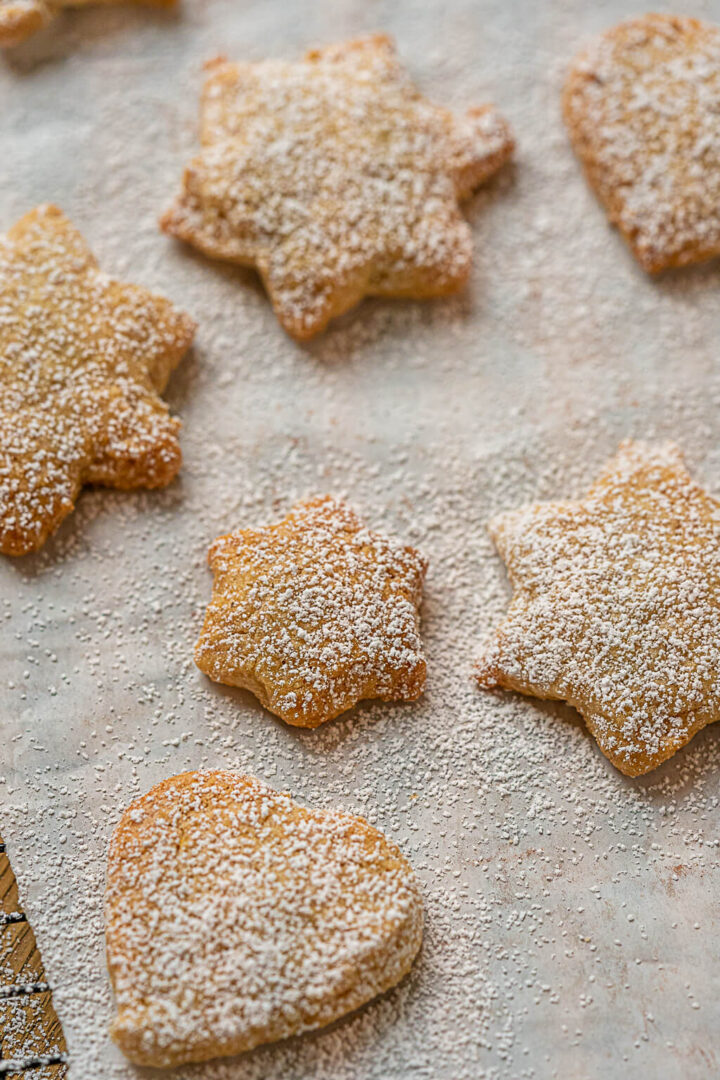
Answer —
336 179
82 359
314 613
642 105
616 604
234 917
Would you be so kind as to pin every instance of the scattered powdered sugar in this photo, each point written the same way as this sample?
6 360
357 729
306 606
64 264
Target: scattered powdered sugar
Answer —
570 912
642 104
314 614
235 917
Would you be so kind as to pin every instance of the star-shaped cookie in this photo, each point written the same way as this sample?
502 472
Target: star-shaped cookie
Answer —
641 105
20 19
336 180
235 917
616 605
83 359
314 614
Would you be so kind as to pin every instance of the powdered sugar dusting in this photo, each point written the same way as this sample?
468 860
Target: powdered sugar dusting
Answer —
642 105
336 179
570 912
82 359
314 614
615 606
235 917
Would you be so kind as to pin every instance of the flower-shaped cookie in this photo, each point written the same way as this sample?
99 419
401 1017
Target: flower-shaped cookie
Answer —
314 614
83 359
336 179
616 600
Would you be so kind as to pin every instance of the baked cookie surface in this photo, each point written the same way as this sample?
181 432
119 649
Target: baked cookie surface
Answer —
83 359
336 180
20 19
615 606
641 105
314 614
235 917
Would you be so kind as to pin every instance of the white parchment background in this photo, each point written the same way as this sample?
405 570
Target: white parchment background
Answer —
571 913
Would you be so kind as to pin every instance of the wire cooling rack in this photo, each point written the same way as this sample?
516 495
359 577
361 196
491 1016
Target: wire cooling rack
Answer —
31 1038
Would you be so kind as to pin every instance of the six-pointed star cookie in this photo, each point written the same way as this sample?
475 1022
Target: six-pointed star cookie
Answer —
314 614
616 605
19 19
336 179
641 105
83 359
235 917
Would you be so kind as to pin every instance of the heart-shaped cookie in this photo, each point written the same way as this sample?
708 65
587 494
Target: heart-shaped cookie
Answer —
235 917
642 105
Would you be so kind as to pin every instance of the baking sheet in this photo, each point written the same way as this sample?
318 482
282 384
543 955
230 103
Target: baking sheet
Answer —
571 912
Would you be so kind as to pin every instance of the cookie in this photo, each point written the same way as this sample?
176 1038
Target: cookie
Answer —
314 614
641 105
20 19
336 180
615 606
235 917
83 359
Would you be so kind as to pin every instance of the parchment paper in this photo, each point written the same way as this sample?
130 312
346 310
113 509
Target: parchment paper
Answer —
571 913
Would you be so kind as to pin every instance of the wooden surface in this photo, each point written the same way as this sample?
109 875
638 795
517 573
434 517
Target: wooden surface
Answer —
31 1038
